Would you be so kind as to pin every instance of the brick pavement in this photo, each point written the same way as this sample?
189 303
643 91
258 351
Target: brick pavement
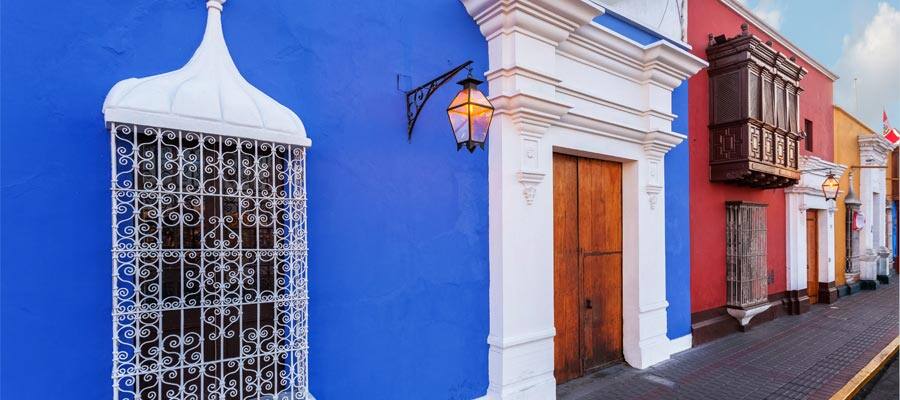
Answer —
809 356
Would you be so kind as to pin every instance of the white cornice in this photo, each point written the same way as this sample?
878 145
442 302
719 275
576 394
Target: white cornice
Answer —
660 63
770 31
569 91
816 166
548 20
874 147
661 142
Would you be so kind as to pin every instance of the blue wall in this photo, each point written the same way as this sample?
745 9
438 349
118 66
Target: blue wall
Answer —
678 232
398 231
678 244
894 221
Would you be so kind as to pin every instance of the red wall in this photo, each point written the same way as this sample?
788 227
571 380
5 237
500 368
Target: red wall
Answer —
707 198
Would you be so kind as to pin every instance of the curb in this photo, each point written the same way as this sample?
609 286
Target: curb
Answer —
868 372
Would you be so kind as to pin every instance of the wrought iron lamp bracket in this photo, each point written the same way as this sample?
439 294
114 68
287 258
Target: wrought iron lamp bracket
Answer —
416 98
818 169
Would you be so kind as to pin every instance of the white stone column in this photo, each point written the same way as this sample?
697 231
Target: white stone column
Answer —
645 321
873 152
522 43
827 274
795 219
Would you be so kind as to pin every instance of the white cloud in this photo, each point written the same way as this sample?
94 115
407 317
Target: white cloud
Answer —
767 11
873 57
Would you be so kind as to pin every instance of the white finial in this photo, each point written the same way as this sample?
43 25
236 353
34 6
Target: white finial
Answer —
207 95
217 4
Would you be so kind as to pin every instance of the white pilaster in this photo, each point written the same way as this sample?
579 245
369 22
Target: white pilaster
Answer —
873 152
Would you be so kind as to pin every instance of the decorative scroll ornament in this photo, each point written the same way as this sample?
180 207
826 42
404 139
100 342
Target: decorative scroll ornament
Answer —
529 181
653 195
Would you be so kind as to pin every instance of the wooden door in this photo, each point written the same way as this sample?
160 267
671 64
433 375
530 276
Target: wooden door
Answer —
587 197
812 255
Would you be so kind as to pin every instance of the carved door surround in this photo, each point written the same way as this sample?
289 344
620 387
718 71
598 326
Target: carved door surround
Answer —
801 198
545 60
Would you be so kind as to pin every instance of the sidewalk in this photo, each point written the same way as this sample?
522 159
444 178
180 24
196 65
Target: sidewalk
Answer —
793 357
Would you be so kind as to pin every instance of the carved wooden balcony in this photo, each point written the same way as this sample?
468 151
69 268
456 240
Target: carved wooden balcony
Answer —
754 97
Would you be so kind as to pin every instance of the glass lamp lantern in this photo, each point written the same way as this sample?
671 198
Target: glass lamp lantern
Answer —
470 115
830 187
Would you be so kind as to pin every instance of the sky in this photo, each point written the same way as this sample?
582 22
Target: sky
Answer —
852 38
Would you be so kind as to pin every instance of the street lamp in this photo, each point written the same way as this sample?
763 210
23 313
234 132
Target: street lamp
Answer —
470 115
830 187
470 112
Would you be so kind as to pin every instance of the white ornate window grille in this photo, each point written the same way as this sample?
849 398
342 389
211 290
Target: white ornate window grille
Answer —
209 266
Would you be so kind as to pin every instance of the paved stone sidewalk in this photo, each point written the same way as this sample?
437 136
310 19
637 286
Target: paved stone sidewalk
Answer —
793 357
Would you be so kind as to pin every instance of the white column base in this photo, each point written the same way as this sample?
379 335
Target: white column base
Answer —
680 344
519 381
649 352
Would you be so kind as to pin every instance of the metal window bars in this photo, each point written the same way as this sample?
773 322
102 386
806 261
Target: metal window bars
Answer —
745 256
209 263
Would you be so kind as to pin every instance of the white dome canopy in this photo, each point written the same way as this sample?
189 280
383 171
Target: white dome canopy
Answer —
207 95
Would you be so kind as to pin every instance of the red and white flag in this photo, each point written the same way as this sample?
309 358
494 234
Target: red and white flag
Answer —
890 134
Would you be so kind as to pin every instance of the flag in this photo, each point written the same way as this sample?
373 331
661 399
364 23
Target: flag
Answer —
890 134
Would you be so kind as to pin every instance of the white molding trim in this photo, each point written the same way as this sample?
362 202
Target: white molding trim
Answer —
680 344
745 13
561 83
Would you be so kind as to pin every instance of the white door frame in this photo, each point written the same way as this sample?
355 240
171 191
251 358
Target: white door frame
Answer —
807 195
560 82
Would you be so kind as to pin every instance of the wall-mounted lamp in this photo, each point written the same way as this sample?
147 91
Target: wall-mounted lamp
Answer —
830 187
470 112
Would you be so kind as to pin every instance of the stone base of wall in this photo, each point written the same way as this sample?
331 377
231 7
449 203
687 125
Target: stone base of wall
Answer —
796 301
868 285
715 323
828 292
848 289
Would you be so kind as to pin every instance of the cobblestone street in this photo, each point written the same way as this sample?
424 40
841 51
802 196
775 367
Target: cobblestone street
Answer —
793 357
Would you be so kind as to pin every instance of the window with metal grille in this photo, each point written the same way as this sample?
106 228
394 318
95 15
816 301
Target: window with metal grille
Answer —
209 266
745 254
808 129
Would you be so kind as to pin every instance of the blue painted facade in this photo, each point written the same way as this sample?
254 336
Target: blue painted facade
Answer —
894 239
398 231
678 244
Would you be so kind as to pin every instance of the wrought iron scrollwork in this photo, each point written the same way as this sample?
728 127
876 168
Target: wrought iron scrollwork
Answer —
209 266
416 98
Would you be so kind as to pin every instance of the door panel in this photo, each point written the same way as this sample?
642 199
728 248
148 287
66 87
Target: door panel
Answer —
566 281
812 256
603 320
587 264
600 239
